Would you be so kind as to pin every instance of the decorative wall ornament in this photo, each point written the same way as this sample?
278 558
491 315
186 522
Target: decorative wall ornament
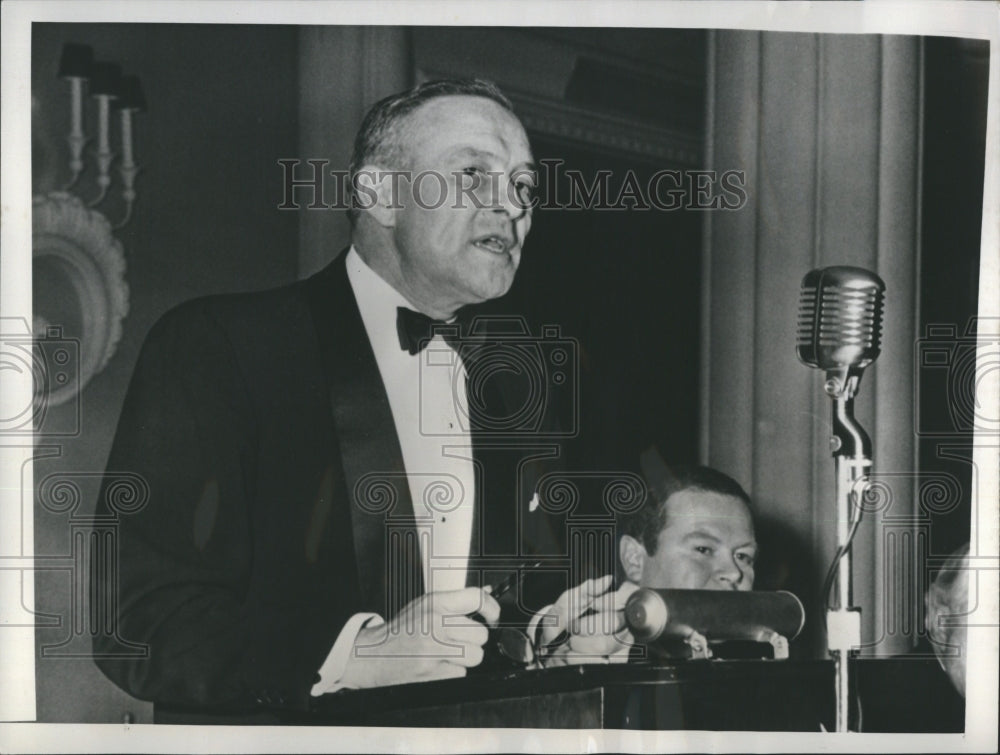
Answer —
78 242
80 296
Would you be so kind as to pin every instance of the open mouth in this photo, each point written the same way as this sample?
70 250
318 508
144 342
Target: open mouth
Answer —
494 244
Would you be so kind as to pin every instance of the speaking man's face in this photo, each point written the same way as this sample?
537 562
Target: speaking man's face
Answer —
462 220
707 544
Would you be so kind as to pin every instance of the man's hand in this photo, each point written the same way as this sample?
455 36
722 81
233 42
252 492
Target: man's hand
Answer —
433 637
587 625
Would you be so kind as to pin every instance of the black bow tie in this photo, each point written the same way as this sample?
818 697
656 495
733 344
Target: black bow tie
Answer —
415 330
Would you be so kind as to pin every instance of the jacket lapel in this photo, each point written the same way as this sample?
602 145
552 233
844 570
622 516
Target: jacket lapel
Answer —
385 538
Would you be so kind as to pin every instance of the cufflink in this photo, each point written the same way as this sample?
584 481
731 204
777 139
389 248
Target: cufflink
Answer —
534 504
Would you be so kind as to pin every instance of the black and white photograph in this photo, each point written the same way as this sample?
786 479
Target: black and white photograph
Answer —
480 377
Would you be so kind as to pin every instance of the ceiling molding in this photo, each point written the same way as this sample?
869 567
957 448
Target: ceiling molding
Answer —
607 132
599 131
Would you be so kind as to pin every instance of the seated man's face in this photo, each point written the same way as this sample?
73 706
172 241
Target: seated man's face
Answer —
707 544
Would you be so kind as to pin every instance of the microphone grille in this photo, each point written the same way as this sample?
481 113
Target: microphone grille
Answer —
807 313
840 317
851 317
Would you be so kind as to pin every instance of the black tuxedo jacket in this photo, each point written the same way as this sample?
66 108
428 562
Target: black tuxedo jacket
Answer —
261 429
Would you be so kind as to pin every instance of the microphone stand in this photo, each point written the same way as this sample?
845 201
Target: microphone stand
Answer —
852 452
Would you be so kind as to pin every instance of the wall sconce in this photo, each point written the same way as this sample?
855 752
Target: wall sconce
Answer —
81 296
110 90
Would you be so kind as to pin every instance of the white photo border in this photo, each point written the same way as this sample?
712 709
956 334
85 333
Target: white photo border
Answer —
959 19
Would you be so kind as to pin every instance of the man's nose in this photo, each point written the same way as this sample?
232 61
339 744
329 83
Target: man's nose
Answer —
508 200
729 575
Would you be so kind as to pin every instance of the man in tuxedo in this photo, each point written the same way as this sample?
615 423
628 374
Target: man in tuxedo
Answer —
329 483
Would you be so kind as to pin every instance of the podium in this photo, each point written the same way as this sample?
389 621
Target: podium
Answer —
710 695
901 694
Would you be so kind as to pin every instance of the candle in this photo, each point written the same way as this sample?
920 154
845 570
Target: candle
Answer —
128 166
103 143
75 66
76 138
104 82
130 100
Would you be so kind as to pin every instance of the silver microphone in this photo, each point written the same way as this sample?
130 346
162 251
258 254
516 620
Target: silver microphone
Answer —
840 331
840 323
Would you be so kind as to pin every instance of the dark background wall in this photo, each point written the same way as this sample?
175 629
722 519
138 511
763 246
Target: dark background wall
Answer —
639 348
612 108
222 111
956 76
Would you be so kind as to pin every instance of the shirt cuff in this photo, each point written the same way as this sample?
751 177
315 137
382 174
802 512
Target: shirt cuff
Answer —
332 670
535 626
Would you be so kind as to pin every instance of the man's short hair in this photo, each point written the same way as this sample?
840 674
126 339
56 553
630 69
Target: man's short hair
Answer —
379 139
646 524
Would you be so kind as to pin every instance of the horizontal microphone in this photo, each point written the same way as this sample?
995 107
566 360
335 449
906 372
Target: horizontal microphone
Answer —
660 616
840 319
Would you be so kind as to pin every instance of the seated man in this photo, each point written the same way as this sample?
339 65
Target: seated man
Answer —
694 532
947 603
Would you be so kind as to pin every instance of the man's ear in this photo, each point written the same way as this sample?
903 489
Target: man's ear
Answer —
374 193
633 556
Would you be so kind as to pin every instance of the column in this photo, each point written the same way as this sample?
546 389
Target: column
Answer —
343 70
827 129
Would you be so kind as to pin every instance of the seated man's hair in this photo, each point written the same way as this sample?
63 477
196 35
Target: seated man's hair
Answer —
648 521
379 138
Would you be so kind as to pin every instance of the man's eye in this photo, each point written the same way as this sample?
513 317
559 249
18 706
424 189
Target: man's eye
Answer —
704 550
525 192
746 558
473 175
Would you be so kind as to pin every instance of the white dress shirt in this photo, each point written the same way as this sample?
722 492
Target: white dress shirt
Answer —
426 393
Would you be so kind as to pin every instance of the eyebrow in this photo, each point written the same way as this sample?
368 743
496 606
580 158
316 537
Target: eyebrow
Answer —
706 535
702 534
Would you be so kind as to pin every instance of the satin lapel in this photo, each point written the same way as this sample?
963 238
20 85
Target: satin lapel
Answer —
381 508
